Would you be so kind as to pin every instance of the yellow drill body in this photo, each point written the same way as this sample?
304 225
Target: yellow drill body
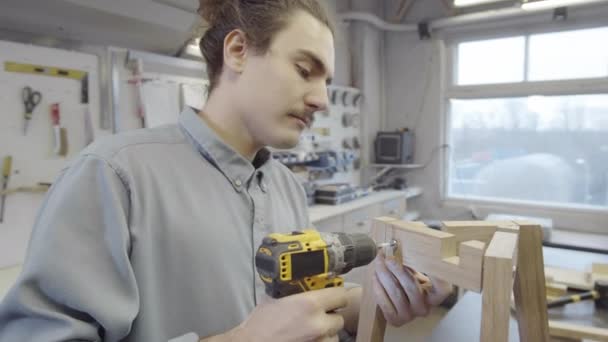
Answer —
308 260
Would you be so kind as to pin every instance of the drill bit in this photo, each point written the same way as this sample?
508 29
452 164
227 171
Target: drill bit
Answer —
383 245
388 248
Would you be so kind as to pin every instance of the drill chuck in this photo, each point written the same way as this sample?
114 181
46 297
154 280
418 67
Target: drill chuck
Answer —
347 251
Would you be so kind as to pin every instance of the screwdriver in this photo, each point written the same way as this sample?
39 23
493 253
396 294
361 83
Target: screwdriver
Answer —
6 172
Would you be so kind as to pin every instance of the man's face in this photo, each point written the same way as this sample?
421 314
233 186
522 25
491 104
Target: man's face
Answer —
281 89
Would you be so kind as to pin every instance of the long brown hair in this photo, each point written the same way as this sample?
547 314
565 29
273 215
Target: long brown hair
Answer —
260 20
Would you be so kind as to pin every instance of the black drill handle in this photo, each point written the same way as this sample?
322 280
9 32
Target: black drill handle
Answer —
573 299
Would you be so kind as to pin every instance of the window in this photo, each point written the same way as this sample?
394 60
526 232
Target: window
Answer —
491 61
569 55
528 119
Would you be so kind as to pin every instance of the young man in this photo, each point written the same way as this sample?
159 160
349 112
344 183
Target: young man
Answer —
150 235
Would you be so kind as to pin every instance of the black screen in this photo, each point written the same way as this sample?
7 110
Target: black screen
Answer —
389 146
307 264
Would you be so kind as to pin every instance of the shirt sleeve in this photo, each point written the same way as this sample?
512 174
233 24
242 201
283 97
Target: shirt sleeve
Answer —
77 282
190 337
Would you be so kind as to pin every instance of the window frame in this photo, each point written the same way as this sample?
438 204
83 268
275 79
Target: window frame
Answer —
450 91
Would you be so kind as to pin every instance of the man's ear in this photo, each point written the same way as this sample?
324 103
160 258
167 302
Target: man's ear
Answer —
235 51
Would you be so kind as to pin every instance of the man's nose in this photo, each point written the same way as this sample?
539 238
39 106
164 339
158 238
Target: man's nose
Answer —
318 99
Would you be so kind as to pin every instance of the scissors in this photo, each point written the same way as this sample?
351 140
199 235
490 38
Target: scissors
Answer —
31 99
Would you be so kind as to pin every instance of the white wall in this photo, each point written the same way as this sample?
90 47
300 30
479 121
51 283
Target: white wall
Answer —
367 49
413 101
33 160
33 157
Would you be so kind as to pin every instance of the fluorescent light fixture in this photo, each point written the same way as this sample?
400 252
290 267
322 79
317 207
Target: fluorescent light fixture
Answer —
193 50
466 3
545 4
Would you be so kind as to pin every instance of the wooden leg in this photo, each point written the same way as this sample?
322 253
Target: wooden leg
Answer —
372 324
529 287
497 286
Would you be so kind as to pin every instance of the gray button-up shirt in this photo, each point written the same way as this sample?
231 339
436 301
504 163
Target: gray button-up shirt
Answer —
148 236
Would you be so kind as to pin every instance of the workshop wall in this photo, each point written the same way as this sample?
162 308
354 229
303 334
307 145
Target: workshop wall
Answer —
33 158
366 44
166 90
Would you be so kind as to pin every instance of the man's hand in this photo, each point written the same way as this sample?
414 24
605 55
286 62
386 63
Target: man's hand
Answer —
400 296
302 317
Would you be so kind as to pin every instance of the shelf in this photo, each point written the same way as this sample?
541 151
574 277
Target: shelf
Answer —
385 168
411 216
398 166
413 192
320 212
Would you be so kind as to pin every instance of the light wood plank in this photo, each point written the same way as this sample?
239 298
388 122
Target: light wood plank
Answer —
555 290
497 286
437 254
372 325
599 272
529 286
571 278
575 331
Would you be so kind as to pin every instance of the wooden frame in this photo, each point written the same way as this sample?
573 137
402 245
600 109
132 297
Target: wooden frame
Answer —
476 255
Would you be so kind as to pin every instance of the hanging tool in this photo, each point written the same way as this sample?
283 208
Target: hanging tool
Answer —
89 133
78 75
38 188
45 70
31 99
138 81
6 173
61 137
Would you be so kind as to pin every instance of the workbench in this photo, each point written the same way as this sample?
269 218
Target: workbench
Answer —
461 323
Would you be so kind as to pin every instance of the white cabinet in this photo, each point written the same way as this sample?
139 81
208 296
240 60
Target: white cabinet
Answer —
330 225
360 220
394 208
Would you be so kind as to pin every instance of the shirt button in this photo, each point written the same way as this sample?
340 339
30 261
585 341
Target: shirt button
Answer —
238 183
263 187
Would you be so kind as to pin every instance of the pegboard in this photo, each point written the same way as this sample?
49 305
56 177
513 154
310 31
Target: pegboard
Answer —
338 129
33 157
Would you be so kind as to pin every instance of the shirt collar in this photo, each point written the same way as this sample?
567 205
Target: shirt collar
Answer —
235 167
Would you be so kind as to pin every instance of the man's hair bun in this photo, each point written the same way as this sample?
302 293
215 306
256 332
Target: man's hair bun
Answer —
211 10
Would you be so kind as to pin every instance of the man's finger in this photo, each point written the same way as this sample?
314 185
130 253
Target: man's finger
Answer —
382 300
331 299
333 324
395 292
410 286
334 338
439 292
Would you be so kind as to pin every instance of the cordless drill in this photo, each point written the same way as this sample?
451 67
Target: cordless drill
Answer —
309 260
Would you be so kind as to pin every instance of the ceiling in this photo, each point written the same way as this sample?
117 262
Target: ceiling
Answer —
162 26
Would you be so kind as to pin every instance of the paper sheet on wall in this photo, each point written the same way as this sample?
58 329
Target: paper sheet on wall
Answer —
161 103
193 95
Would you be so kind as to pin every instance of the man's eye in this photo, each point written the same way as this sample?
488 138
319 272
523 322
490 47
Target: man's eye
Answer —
303 72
